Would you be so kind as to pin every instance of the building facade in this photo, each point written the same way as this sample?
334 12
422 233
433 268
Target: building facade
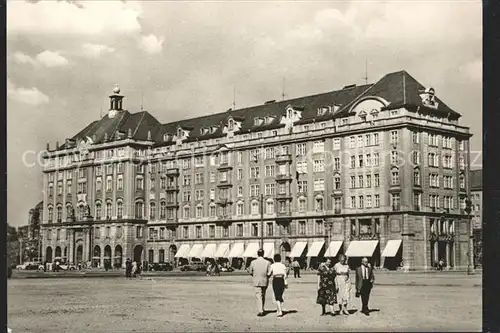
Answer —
29 235
476 180
378 170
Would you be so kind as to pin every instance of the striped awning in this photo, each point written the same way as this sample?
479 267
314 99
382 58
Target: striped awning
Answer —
297 249
237 250
183 251
251 250
222 251
209 251
333 248
361 248
268 250
315 248
391 248
196 251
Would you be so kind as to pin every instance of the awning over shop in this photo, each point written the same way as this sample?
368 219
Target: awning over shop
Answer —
222 251
361 248
315 248
183 251
237 250
251 250
297 249
209 251
391 248
268 250
333 248
196 251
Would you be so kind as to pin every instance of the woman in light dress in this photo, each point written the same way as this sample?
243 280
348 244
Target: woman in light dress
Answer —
278 272
343 284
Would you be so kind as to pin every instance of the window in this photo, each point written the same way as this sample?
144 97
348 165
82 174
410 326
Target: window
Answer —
163 206
375 139
368 201
239 157
119 168
337 202
336 163
270 229
98 212
416 158
254 190
319 184
152 210
319 165
302 166
270 169
223 176
377 180
302 227
415 137
255 230
360 161
336 182
199 212
139 210
368 180
269 153
394 137
109 184
360 181
82 188
186 180
139 183
377 200
394 157
319 204
239 174
212 177
302 205
318 146
69 174
240 191
212 194
138 232
336 144
255 208
59 214
361 202
395 201
376 159
270 207
254 172
170 213
98 184
109 210
360 141
97 233
319 227
239 209
270 189
417 199
395 177
352 142
416 178
368 160
212 211
353 202
186 213
353 182
185 232
198 231
68 187
353 162
225 231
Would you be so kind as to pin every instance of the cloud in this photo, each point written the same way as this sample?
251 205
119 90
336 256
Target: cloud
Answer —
45 58
51 59
31 96
62 18
96 50
151 43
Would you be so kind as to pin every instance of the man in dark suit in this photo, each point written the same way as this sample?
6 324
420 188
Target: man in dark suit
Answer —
259 269
364 284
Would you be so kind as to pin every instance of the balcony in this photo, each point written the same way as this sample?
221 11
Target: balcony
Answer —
284 196
282 177
284 158
337 192
172 204
224 166
224 183
173 172
365 237
442 237
224 201
172 188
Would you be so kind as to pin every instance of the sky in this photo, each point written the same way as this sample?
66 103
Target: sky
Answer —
189 58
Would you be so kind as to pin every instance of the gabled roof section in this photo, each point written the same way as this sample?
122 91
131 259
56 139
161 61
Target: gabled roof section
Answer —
401 89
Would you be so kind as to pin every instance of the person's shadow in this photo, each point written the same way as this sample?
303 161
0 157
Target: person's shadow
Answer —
285 312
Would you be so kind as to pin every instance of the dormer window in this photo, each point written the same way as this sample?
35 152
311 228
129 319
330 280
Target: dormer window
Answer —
204 130
269 119
257 121
179 132
166 137
213 129
322 111
230 124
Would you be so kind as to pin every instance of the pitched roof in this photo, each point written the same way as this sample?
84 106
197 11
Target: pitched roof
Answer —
476 180
398 88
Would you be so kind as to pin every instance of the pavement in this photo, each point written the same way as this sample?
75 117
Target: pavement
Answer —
226 303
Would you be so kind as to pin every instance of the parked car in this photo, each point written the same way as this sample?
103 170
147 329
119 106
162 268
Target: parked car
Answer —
226 269
67 267
160 267
194 266
27 266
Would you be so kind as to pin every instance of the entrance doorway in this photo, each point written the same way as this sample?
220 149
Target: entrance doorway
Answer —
442 252
48 254
138 253
79 254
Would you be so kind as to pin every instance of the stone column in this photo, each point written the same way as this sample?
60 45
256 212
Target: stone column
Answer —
71 245
357 227
436 252
447 255
85 245
373 226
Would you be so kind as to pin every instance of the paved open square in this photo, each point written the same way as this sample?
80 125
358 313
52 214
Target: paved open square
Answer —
401 302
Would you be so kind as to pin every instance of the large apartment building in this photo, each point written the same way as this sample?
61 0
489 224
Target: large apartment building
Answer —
378 170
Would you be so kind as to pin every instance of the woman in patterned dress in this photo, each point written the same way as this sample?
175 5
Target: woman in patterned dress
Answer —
342 283
326 286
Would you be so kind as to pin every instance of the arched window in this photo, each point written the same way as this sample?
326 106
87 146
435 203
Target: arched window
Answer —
139 207
109 210
98 210
319 203
50 213
152 211
416 177
59 214
119 209
163 207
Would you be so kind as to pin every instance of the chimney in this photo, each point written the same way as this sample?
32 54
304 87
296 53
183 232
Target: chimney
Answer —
48 146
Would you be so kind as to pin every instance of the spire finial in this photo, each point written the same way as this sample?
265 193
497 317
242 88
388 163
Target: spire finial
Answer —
116 90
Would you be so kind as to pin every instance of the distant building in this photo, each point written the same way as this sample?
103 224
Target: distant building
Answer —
328 167
476 191
29 235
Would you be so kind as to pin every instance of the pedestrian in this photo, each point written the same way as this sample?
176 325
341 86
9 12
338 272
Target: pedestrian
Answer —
134 269
278 272
216 269
209 269
259 269
342 284
364 284
128 268
139 270
326 287
440 264
296 268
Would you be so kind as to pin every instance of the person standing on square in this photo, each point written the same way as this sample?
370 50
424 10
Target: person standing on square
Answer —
296 268
260 270
364 284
